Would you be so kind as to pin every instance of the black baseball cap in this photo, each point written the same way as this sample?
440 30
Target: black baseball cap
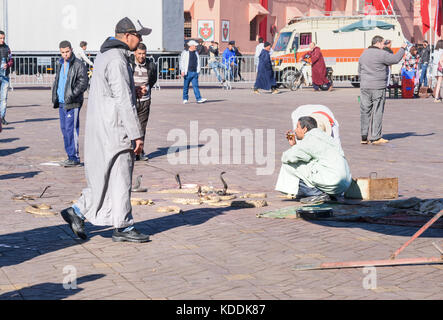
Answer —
232 43
125 25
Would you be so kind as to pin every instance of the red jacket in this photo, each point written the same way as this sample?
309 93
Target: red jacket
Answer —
318 67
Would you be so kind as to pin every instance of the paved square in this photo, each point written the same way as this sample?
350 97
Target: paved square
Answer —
208 252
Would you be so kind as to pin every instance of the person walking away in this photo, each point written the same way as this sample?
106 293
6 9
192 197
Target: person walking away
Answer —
425 57
111 126
318 67
240 59
214 63
229 60
437 73
6 63
258 50
145 77
81 54
265 75
372 66
190 69
71 81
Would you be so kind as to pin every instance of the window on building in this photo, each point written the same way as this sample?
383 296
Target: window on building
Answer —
253 29
188 25
305 40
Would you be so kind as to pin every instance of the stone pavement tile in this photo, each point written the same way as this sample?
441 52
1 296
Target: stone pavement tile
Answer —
167 291
236 293
308 294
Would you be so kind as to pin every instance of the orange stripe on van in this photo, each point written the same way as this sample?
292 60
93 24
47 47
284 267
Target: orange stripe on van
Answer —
341 55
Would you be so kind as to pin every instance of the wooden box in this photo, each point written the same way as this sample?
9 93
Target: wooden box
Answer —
373 188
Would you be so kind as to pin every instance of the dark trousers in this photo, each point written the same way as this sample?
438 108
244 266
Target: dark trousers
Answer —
143 109
319 87
305 191
70 127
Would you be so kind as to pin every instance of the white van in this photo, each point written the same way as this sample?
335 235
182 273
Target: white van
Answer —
341 40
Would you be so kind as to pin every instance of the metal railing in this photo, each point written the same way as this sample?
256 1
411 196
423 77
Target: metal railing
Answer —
214 71
33 70
241 70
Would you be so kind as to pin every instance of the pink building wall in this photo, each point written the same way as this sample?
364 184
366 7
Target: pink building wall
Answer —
237 13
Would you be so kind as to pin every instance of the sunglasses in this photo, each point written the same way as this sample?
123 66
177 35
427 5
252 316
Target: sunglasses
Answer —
136 35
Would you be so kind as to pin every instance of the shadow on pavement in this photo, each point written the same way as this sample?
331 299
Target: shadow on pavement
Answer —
192 217
162 151
49 291
9 140
23 175
8 152
34 120
24 106
18 247
393 136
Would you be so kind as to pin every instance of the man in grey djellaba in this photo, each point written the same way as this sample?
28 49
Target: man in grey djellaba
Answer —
111 127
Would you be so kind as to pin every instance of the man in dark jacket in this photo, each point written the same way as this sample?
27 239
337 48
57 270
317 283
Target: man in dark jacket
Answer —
425 57
145 77
265 75
6 63
71 81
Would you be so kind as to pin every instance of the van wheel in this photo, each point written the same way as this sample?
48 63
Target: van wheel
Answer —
356 84
288 78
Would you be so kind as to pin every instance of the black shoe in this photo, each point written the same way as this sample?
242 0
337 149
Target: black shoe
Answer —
70 163
130 236
144 157
77 225
4 122
137 157
316 199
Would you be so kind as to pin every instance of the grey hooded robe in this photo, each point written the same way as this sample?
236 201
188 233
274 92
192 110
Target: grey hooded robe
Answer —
111 124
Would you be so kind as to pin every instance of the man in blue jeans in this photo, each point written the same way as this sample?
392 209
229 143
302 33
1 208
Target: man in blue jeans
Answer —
190 69
71 81
425 56
5 67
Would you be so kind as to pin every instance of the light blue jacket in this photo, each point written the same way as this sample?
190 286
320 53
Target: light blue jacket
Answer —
228 57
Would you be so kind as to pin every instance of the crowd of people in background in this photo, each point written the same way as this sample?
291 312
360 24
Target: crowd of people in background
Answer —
425 64
226 65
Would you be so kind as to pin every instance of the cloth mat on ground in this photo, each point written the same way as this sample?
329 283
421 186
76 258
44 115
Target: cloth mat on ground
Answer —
413 212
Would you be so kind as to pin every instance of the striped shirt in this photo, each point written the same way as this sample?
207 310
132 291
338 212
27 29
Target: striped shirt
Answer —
141 79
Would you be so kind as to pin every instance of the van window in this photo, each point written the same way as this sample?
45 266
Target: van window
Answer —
305 40
295 44
283 41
